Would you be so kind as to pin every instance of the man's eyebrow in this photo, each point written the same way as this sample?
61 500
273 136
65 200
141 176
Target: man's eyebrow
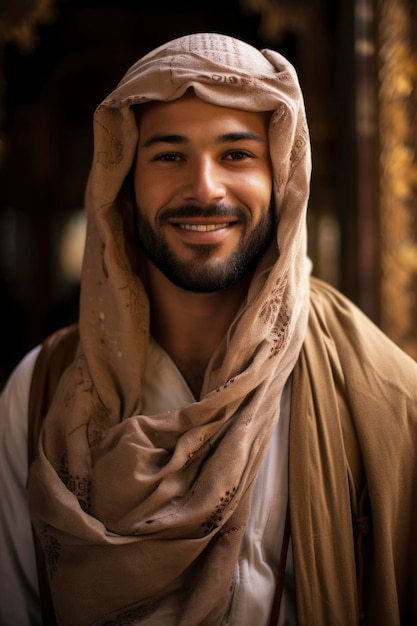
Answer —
240 136
180 139
173 139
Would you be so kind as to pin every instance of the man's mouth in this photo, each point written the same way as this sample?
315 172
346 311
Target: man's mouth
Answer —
203 228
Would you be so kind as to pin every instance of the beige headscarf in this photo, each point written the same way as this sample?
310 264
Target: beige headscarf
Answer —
142 516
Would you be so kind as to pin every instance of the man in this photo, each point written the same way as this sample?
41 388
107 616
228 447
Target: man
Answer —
227 430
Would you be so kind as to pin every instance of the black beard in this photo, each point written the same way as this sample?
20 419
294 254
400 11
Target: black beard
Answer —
199 275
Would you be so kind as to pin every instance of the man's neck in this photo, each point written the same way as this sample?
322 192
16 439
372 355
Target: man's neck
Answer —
190 326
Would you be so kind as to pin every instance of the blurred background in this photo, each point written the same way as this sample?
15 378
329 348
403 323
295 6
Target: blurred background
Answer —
357 63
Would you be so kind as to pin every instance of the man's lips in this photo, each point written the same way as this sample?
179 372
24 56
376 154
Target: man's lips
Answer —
203 228
203 225
210 229
215 215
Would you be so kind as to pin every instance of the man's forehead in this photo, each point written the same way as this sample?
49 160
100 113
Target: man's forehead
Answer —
189 103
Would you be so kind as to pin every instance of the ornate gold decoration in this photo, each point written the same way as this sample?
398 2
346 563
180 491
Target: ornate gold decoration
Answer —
397 56
277 18
19 20
18 23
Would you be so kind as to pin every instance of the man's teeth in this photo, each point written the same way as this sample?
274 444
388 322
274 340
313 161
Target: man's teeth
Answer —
203 228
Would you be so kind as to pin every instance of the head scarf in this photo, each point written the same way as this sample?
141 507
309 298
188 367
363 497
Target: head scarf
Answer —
141 517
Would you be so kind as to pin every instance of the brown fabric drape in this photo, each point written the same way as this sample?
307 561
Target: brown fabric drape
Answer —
353 471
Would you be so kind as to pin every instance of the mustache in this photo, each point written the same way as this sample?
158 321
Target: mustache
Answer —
212 211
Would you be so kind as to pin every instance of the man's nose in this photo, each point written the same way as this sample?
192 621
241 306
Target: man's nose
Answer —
205 183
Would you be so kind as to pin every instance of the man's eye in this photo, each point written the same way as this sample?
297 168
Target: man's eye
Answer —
167 157
237 155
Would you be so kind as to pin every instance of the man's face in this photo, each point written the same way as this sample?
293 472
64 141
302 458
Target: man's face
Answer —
203 190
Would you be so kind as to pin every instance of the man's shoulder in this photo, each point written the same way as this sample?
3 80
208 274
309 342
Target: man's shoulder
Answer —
337 312
56 354
341 329
329 298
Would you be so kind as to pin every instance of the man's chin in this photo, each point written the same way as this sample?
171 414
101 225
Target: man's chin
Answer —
205 280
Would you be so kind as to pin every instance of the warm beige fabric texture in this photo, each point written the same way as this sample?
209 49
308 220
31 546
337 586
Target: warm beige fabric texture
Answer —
142 516
353 471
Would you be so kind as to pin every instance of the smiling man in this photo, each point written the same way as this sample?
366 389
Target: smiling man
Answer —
222 439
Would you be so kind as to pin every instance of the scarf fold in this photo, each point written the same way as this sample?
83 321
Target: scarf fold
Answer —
159 503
